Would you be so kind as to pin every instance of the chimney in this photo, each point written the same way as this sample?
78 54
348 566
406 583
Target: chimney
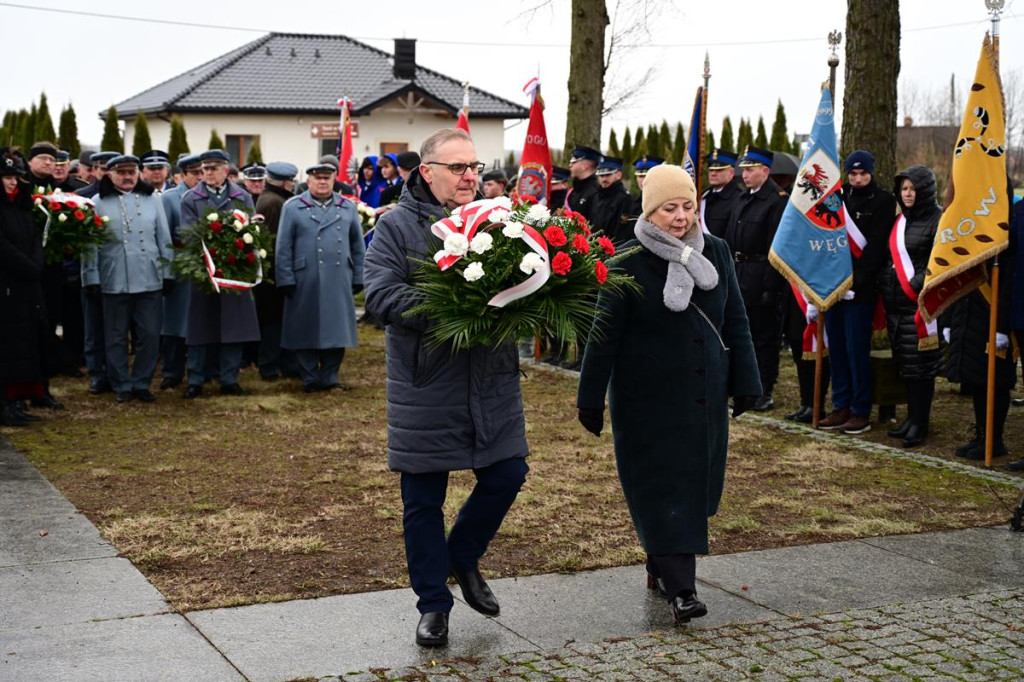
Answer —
405 58
907 122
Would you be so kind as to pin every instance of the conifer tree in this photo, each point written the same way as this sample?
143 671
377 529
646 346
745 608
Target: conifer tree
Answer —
255 154
112 140
639 143
744 137
780 136
709 144
727 142
613 144
665 135
762 135
627 147
653 141
141 142
44 131
679 144
7 127
178 144
67 135
215 141
27 130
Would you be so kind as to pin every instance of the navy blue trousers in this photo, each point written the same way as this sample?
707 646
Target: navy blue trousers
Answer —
429 554
144 314
848 324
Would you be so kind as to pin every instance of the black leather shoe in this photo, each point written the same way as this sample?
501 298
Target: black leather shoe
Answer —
901 430
233 389
963 450
1015 466
10 417
658 585
193 392
99 386
311 388
763 404
169 382
22 414
125 397
977 454
807 416
685 607
144 395
47 401
915 436
476 592
432 630
793 416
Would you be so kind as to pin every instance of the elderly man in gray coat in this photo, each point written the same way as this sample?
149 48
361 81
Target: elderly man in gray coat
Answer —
318 267
130 273
446 411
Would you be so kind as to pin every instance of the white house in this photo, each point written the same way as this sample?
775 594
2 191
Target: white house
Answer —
282 90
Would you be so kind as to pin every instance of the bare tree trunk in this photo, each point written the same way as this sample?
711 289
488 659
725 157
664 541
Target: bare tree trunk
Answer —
586 74
872 69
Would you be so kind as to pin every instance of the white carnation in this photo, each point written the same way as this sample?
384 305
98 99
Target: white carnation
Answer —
473 272
531 263
62 218
247 238
256 228
39 201
512 230
504 202
106 219
481 243
499 215
456 219
538 215
212 217
372 221
238 226
263 253
456 244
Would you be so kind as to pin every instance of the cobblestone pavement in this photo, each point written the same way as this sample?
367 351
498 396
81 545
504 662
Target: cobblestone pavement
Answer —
971 638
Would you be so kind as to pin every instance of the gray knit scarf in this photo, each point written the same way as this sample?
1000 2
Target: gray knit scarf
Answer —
686 262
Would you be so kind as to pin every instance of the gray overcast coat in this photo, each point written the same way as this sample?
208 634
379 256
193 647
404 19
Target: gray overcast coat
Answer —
176 302
445 411
320 251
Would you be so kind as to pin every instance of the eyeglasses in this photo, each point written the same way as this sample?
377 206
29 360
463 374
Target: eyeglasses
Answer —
461 168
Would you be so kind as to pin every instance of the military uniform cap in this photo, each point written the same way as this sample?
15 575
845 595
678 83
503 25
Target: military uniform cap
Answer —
321 168
495 174
581 152
646 163
254 171
187 160
155 158
281 170
101 158
215 156
559 174
123 160
85 159
720 159
63 158
609 165
755 156
408 160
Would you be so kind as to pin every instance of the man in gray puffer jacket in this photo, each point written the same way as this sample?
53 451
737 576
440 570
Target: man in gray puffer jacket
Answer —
446 411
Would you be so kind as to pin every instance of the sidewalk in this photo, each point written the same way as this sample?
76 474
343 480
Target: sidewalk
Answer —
939 605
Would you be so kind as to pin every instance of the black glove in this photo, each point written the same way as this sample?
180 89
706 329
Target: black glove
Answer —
287 289
92 292
356 288
769 298
742 403
168 286
592 420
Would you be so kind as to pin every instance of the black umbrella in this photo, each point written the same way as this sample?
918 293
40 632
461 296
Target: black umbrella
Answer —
785 164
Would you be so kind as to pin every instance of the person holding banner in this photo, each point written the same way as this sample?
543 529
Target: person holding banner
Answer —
672 358
910 245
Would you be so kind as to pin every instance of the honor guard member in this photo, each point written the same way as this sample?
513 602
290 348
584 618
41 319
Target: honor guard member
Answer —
614 202
280 187
724 190
254 179
750 232
130 274
559 186
62 172
494 183
172 339
156 170
583 170
640 168
227 319
318 266
99 171
83 177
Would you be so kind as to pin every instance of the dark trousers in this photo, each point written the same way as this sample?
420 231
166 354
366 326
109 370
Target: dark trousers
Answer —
226 356
273 360
920 393
979 396
319 367
805 375
848 325
678 572
94 345
172 350
766 333
429 555
143 314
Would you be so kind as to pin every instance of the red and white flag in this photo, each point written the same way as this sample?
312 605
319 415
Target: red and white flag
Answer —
535 164
345 143
463 122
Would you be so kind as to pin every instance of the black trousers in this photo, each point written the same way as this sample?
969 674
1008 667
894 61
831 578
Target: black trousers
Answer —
920 393
979 396
805 375
766 333
677 571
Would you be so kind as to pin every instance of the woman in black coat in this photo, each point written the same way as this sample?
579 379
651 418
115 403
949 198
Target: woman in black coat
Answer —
673 356
915 231
21 293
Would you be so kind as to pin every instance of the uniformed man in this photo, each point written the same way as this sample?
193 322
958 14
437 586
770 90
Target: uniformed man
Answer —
750 232
217 323
717 202
62 172
583 170
156 169
559 186
318 266
494 183
99 171
640 168
614 202
130 273
84 176
254 179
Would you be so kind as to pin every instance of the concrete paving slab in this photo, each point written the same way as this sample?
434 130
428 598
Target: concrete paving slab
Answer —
35 537
318 637
47 595
552 610
24 490
832 577
993 554
162 647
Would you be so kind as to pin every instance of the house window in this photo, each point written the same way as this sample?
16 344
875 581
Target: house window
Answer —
393 147
238 147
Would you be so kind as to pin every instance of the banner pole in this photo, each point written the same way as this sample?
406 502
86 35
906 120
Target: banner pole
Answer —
995 9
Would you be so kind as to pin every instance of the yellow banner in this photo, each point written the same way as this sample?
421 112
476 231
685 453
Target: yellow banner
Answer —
976 226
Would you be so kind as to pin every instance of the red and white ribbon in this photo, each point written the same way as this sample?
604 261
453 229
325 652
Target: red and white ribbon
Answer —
531 86
905 272
467 220
810 337
61 197
224 283
855 237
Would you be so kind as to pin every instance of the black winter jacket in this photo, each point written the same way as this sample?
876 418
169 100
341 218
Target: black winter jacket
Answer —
21 293
874 211
612 213
716 207
751 230
582 198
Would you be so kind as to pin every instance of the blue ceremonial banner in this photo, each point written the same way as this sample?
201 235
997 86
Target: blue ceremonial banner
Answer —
811 247
691 162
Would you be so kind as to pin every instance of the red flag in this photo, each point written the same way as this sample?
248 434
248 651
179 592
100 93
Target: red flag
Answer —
345 142
535 164
463 122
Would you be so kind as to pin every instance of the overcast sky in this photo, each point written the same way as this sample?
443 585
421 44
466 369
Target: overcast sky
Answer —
761 50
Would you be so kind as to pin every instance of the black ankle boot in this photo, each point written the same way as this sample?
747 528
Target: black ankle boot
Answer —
10 417
901 430
915 435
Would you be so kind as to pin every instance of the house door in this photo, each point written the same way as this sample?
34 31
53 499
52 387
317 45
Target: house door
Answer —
393 147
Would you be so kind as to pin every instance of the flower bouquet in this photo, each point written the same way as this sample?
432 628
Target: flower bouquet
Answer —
69 223
224 250
506 272
367 216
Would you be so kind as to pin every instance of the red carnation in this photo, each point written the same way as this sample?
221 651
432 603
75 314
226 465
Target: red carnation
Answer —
178 243
97 220
580 243
213 253
601 271
79 216
70 204
239 244
555 236
217 272
216 226
55 206
36 196
250 257
607 245
561 263
527 199
231 259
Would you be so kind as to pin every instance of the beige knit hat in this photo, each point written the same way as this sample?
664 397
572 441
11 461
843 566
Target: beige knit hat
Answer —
666 182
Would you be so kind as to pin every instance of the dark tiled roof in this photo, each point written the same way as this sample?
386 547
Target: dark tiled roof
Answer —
287 72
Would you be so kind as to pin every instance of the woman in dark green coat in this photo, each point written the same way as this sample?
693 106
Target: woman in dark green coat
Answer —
673 356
